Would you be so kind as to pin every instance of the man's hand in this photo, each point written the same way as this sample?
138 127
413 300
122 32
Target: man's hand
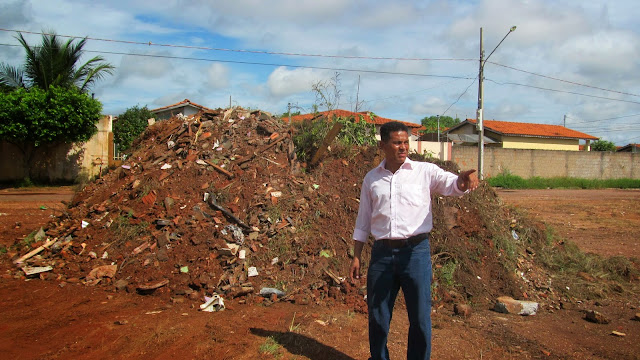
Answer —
467 180
354 271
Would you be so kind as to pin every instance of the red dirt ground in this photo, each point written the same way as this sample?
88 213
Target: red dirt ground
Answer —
43 320
152 222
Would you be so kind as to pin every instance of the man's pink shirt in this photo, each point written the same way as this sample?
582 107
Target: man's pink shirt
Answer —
397 206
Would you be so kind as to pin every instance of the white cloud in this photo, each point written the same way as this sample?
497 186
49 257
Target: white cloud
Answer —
143 67
595 43
217 76
283 82
603 53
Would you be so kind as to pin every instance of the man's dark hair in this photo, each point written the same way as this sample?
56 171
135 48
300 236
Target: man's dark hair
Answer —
392 126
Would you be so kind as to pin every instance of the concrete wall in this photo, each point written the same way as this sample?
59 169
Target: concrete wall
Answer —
550 163
62 163
440 150
517 142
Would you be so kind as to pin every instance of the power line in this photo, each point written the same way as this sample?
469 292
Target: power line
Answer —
413 92
149 43
458 99
615 130
593 121
269 64
563 91
565 81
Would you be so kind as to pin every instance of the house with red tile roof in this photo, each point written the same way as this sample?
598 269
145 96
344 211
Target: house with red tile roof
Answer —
634 148
185 107
515 135
414 142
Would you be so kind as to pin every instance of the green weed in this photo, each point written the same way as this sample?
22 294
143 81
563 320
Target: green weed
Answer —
270 347
507 180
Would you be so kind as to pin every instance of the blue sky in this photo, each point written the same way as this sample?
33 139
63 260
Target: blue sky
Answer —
572 60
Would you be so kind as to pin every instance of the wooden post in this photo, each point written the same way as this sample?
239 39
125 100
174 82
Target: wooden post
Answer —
325 143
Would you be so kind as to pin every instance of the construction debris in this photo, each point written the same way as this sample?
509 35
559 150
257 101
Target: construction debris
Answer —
217 203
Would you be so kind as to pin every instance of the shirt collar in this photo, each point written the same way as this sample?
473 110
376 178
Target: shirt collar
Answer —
408 164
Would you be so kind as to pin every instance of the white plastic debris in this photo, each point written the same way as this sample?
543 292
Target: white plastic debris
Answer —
28 270
274 260
165 166
267 292
236 232
84 224
242 254
252 271
171 144
213 303
126 167
200 162
515 235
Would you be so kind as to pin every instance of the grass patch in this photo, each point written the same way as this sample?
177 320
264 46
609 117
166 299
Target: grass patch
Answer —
586 276
507 180
124 231
270 347
446 272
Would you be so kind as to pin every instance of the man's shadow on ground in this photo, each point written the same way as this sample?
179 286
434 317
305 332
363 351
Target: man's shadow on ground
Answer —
302 345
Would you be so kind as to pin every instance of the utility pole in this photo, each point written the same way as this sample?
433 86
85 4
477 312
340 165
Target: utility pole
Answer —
479 113
479 117
564 122
439 145
289 111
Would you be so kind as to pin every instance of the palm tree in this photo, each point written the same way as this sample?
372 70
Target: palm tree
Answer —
54 63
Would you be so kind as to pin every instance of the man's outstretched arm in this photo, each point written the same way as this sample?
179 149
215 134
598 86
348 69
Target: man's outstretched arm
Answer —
467 180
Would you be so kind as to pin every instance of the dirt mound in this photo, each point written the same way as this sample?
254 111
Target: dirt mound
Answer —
218 204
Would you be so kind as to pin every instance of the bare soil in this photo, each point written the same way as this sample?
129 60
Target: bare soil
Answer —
61 314
46 320
604 222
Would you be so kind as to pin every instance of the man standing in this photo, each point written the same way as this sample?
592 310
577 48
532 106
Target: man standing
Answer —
395 207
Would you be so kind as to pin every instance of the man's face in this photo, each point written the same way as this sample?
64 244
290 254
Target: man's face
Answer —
396 149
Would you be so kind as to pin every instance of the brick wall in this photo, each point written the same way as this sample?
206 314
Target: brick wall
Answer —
550 163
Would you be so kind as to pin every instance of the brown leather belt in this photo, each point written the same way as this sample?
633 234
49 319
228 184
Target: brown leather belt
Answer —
400 243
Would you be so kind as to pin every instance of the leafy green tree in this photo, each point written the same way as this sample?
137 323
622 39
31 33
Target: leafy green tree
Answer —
35 118
603 145
431 123
130 125
54 63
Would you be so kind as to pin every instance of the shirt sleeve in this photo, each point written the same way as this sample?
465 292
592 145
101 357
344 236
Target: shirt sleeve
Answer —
444 182
363 221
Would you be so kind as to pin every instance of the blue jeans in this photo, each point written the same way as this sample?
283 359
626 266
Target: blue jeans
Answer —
408 268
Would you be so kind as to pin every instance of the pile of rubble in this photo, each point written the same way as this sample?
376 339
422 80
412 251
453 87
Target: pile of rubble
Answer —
217 205
214 203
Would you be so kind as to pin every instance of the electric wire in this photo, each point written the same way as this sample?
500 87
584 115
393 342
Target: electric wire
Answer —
149 43
458 99
594 121
565 81
269 64
563 91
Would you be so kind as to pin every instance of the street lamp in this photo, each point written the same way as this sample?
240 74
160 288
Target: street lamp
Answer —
479 114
